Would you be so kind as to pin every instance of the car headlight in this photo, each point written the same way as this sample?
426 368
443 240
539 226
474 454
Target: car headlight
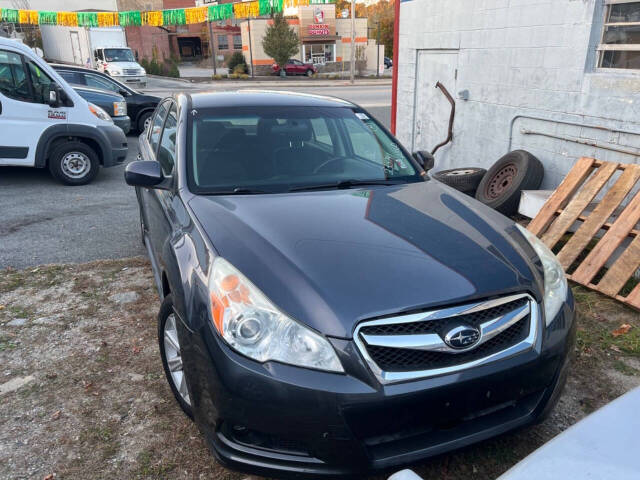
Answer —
142 71
555 282
248 321
99 112
119 109
115 71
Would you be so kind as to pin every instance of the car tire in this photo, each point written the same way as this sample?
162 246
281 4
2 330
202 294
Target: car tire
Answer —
145 117
501 186
309 73
170 353
74 163
465 179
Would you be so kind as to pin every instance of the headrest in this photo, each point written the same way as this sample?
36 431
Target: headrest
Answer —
234 138
293 131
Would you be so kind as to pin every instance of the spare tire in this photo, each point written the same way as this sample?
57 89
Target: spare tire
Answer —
501 186
465 179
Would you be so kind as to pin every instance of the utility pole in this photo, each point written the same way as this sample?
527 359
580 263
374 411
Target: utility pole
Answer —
250 50
212 44
378 49
353 40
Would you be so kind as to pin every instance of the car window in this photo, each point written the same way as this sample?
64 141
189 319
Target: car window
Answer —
321 131
71 77
13 79
96 81
167 150
279 148
41 83
156 125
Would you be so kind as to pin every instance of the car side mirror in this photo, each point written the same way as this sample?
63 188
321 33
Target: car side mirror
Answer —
123 92
55 95
147 174
425 159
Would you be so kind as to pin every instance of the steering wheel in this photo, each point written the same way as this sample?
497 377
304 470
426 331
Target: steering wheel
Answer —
322 166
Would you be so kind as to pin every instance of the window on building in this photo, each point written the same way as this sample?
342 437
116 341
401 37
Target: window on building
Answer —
223 42
237 42
319 53
620 45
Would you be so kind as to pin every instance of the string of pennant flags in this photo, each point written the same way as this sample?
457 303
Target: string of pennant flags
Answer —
154 18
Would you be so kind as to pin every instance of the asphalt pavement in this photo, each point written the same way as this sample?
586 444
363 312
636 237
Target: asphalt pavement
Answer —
43 221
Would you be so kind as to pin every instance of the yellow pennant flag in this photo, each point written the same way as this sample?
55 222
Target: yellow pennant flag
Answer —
107 19
68 19
152 18
196 15
246 9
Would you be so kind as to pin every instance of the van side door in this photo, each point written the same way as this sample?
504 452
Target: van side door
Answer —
24 108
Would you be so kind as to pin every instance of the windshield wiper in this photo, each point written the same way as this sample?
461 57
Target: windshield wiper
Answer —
344 184
238 191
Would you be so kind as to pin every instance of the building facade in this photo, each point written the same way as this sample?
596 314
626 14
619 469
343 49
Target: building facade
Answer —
325 40
559 78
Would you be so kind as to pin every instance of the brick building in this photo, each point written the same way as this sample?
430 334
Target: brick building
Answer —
184 42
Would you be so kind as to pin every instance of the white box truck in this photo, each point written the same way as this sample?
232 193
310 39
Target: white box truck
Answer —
102 48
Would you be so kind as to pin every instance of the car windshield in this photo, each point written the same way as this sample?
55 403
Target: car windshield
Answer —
118 55
280 149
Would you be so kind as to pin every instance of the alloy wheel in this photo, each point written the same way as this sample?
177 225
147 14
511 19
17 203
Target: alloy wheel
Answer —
174 358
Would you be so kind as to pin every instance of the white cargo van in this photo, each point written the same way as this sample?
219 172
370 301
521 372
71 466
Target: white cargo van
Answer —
45 123
102 48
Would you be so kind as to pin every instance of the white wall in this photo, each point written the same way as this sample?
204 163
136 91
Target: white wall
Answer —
515 57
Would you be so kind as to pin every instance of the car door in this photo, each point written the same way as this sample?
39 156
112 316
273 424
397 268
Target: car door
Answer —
160 210
291 67
148 147
24 109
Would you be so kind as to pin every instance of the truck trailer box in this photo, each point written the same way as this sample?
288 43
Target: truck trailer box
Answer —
76 45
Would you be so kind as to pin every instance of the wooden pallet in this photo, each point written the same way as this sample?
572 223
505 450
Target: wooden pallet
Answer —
567 205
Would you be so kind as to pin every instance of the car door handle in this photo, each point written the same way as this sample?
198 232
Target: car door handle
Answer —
0 108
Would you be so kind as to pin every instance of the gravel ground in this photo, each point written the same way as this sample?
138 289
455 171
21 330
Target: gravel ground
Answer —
83 394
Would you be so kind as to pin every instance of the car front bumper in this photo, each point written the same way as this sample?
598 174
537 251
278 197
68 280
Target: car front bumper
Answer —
115 145
124 122
133 80
283 421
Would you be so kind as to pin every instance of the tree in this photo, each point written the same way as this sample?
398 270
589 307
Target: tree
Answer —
280 41
381 16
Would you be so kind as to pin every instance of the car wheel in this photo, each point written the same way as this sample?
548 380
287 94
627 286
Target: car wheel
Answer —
309 73
144 121
463 179
501 186
171 353
74 163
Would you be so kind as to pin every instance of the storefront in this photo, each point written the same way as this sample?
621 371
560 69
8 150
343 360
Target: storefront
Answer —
317 32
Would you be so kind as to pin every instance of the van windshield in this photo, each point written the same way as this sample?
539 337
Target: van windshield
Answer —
279 149
118 55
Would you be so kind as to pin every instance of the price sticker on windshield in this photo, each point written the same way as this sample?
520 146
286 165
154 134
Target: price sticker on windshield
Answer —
362 116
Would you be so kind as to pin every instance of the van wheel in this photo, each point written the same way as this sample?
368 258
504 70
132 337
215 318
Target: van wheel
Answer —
171 353
74 163
144 121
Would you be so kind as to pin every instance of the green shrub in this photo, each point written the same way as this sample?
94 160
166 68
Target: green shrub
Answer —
237 59
244 76
154 67
240 68
233 75
216 77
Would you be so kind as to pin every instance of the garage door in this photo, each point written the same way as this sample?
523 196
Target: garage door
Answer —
432 109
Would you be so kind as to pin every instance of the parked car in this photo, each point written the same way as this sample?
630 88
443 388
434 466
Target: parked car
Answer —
388 63
139 105
327 307
111 102
46 123
295 67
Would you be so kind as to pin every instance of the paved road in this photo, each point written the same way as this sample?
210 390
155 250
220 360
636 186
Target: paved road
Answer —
43 222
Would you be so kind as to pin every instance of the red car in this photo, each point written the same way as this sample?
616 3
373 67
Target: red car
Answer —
295 67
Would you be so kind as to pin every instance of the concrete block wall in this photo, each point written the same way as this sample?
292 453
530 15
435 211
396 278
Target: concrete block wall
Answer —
518 59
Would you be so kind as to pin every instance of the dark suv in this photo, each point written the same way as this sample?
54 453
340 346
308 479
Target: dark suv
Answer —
327 308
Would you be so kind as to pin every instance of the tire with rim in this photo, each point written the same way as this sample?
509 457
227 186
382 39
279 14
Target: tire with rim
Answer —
74 163
501 186
170 351
144 120
309 73
464 179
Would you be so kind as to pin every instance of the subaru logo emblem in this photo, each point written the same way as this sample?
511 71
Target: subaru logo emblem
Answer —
462 336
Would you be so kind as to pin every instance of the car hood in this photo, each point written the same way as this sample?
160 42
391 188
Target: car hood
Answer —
124 64
332 258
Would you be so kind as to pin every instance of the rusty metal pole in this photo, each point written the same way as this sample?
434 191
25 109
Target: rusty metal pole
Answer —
212 45
353 40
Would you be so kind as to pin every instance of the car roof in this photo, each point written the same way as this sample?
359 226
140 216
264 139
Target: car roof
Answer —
11 42
59 66
264 98
84 88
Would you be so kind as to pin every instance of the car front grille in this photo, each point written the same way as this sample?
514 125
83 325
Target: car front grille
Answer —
413 346
131 71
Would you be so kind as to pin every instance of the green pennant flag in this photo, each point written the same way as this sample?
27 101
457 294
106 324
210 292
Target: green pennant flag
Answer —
220 12
175 16
267 7
47 18
87 19
130 18
10 15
